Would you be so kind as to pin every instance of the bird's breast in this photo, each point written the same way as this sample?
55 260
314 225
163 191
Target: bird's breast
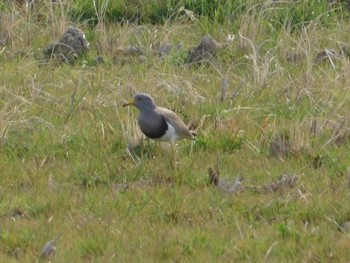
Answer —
153 127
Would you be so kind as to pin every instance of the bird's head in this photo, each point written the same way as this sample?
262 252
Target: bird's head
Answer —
142 101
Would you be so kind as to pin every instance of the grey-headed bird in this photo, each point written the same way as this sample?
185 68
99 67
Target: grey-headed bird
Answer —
158 123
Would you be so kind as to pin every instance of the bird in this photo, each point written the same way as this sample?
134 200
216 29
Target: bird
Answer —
158 123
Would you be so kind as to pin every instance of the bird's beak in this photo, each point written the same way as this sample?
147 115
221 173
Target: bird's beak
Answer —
132 102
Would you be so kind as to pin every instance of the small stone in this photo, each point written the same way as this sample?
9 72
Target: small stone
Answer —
345 226
141 58
98 60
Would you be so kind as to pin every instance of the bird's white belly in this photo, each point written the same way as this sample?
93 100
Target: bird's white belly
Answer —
170 135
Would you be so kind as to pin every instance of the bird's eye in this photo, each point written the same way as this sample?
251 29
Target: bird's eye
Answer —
139 99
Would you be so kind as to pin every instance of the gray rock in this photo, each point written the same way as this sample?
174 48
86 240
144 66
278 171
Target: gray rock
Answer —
229 187
49 249
69 47
163 49
133 51
204 52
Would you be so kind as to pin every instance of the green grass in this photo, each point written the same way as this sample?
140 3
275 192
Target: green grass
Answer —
64 137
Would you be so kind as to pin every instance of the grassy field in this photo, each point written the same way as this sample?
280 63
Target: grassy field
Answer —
74 164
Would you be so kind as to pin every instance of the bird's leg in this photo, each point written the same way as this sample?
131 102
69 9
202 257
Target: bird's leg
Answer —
176 173
173 158
157 148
